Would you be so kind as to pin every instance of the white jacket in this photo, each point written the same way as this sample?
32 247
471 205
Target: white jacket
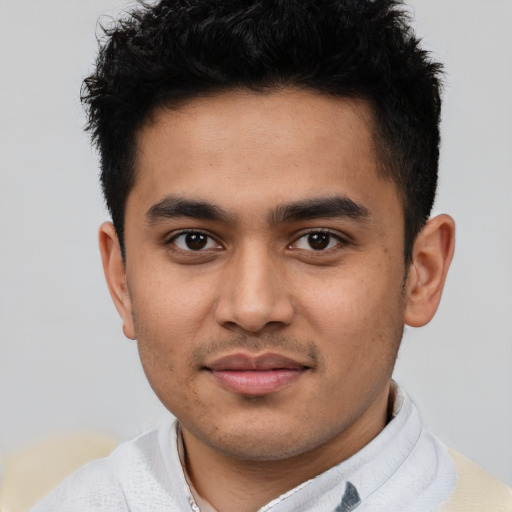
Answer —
404 469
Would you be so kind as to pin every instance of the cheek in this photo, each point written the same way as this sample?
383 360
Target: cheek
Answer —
171 315
169 308
165 332
357 308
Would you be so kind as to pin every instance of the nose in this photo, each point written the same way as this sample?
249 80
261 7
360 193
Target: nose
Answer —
254 296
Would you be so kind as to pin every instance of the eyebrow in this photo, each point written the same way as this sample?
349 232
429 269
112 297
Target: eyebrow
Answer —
171 207
320 208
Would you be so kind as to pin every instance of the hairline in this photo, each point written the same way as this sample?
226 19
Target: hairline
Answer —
383 153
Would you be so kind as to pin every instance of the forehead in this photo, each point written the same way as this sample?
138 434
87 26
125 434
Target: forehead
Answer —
233 116
247 147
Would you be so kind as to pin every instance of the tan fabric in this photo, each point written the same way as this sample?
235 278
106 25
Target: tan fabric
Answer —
476 490
33 471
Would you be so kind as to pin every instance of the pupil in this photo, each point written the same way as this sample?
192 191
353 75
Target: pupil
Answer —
196 241
318 241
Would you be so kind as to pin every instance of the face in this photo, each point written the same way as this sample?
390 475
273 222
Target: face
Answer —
265 272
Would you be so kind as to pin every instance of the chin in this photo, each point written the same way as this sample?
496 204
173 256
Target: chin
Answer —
262 442
261 449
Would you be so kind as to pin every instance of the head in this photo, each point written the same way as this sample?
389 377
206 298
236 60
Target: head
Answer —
166 54
270 168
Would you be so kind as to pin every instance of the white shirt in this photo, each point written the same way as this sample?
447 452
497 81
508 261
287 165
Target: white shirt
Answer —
405 468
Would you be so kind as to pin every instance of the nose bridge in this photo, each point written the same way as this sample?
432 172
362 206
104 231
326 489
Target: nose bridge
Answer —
252 294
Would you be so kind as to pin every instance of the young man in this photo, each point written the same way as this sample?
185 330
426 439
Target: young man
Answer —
270 167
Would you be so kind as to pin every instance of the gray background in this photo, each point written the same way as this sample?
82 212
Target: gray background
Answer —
64 363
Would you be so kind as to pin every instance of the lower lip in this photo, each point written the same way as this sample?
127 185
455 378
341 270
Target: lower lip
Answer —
256 382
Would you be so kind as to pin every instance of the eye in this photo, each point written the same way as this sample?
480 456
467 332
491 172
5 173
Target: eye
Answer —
317 241
194 241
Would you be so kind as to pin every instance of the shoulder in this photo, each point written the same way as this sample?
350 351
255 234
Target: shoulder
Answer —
101 484
476 490
92 488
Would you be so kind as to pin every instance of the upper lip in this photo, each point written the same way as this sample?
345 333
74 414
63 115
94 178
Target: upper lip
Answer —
262 362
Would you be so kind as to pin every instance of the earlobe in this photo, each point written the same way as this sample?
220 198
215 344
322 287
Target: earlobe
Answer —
432 254
115 274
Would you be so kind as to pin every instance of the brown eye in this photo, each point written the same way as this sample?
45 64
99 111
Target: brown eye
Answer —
194 241
319 241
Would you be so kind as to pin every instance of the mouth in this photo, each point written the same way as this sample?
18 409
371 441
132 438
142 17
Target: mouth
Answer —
251 375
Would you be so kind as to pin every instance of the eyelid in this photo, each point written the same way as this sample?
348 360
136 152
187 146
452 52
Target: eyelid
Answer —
170 240
342 239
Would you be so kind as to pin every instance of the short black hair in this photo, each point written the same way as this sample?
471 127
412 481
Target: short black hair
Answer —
165 53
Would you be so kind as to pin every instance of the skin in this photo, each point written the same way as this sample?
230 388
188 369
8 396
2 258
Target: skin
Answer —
261 284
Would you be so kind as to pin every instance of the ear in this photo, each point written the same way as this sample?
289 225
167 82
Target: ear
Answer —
115 274
431 258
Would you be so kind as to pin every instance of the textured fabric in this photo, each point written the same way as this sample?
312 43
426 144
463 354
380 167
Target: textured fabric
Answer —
404 468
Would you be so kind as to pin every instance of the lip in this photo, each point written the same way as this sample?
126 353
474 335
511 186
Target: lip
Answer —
256 375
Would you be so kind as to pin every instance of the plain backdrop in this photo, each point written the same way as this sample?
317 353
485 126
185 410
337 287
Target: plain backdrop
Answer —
64 363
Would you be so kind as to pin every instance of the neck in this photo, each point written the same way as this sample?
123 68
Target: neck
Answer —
233 485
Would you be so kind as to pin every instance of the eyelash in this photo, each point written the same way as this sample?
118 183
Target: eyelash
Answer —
323 232
176 236
209 239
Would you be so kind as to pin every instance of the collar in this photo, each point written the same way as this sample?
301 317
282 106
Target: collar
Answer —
404 468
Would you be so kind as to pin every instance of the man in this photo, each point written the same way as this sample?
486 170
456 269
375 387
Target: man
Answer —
270 167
